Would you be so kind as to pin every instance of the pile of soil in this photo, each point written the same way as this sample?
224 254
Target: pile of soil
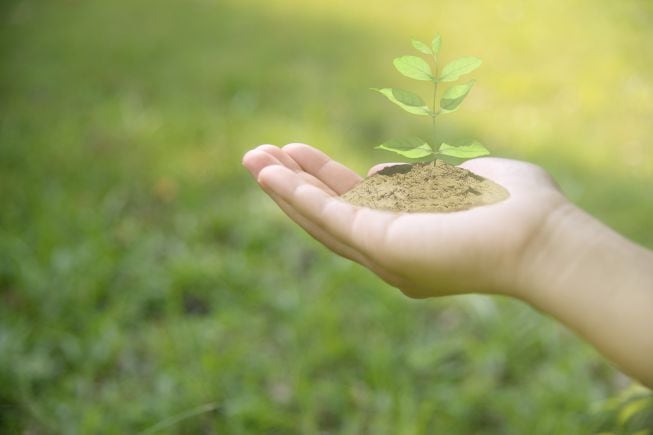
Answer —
425 187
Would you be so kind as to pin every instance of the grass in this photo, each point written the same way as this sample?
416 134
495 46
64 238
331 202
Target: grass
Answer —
147 286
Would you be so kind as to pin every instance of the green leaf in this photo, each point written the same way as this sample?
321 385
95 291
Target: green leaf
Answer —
454 69
436 44
408 101
411 147
455 95
474 149
420 46
413 67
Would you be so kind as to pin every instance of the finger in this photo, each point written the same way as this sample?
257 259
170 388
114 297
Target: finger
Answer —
308 201
285 159
317 233
361 228
335 245
376 168
262 157
335 175
255 160
280 155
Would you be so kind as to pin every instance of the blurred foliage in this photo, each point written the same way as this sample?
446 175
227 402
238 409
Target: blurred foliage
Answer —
147 285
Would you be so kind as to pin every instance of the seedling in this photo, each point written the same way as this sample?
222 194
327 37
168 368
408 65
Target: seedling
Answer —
417 68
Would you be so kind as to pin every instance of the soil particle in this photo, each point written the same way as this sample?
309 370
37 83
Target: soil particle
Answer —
425 187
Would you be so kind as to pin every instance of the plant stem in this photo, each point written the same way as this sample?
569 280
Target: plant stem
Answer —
435 93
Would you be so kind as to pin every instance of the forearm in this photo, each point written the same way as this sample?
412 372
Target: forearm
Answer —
597 283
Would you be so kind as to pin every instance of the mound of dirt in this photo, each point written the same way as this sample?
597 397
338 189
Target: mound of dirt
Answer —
425 187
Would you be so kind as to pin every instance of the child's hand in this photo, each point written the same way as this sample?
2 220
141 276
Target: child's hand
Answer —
484 249
535 246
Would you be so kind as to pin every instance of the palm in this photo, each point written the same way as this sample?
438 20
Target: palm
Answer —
423 254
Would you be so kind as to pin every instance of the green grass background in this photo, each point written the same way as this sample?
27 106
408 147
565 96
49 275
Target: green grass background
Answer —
148 286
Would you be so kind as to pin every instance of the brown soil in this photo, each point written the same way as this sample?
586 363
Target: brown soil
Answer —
425 187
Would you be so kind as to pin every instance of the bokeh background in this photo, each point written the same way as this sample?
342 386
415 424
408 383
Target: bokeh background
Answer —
148 286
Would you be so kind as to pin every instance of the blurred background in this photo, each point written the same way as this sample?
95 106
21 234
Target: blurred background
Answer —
148 286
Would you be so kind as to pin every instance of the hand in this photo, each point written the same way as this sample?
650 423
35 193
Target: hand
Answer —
535 246
485 249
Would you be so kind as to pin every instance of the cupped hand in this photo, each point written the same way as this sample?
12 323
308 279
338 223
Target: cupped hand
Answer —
487 249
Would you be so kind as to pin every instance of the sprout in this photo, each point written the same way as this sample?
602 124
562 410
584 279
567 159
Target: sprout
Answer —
417 68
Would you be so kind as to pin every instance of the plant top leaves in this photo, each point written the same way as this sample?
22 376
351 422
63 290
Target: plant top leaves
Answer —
420 46
417 68
436 44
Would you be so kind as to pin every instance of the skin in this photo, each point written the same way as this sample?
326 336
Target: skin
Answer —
535 246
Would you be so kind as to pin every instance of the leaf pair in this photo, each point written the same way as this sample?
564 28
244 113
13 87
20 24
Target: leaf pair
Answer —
415 67
413 103
433 50
417 148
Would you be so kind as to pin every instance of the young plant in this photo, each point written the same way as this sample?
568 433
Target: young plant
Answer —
417 68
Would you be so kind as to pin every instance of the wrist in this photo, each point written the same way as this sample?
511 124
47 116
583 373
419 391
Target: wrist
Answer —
563 238
597 283
575 254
